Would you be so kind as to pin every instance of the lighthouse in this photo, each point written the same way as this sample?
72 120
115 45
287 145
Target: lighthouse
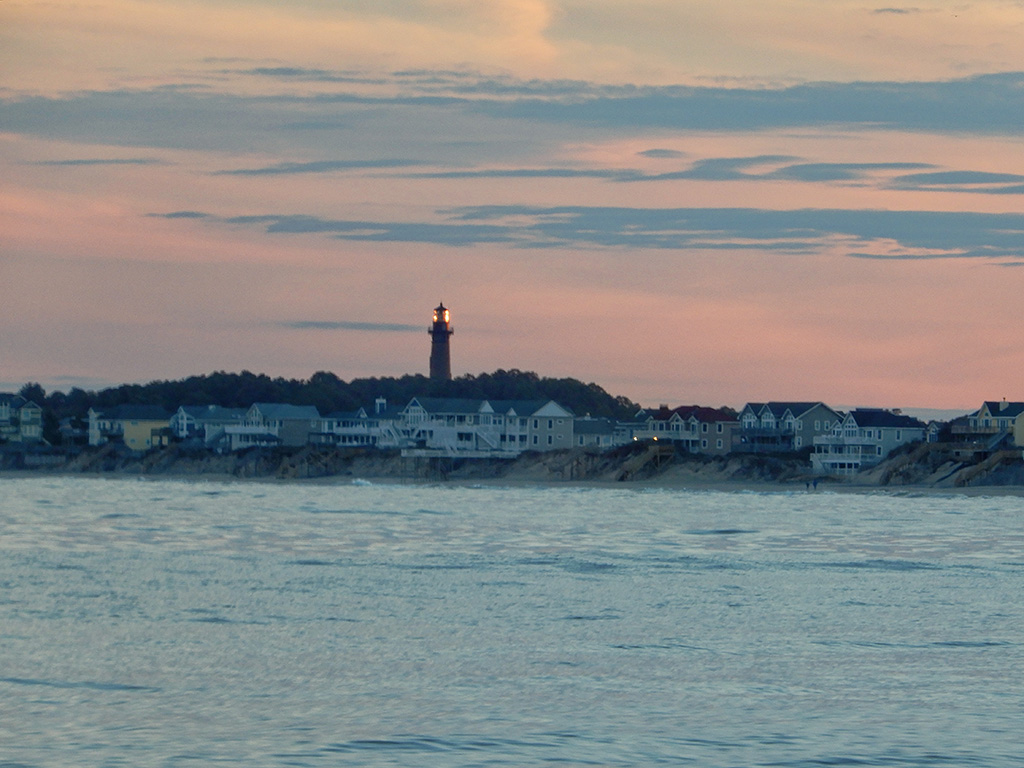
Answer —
440 352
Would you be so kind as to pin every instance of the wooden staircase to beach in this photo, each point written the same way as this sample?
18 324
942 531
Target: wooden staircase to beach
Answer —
656 454
992 462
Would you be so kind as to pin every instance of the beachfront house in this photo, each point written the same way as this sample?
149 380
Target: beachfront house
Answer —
21 420
783 427
597 432
138 427
693 428
273 424
862 439
482 428
204 422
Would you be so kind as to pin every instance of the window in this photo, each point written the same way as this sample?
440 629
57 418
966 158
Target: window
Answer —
536 423
703 443
719 429
718 444
551 423
536 440
703 427
551 440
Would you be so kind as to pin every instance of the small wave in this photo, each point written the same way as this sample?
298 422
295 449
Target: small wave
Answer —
587 566
883 565
410 744
973 644
718 531
89 685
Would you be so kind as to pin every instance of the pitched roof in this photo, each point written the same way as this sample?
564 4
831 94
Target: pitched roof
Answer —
594 426
521 408
462 405
796 408
685 412
286 411
878 417
705 414
1004 410
129 412
358 413
214 413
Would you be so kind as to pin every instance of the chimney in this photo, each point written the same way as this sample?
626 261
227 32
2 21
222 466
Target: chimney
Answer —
380 405
1002 405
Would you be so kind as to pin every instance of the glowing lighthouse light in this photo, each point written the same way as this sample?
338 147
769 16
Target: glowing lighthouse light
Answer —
440 350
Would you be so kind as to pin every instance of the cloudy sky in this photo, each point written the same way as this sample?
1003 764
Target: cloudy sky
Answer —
683 201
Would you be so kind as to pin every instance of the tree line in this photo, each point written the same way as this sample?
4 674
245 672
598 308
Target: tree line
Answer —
327 393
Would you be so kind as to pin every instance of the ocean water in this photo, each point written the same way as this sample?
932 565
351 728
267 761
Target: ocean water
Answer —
195 624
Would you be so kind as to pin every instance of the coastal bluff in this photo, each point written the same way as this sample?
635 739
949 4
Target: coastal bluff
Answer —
928 466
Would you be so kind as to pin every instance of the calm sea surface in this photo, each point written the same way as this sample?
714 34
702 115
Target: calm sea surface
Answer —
196 624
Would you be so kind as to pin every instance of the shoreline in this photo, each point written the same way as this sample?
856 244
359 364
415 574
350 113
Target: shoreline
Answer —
656 483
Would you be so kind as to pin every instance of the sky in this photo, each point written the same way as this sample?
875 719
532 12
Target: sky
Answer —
682 201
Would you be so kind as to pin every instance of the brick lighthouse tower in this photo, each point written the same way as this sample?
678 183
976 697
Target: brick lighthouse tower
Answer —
440 352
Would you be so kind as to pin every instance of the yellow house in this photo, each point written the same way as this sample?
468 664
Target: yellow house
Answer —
139 427
141 434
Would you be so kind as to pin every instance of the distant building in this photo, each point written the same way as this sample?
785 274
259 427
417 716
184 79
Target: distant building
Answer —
694 428
272 424
204 422
430 426
440 350
862 439
597 432
139 427
21 420
995 416
780 427
348 429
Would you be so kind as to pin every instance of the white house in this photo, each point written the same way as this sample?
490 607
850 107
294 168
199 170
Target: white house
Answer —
481 428
21 420
783 426
205 422
694 428
862 439
271 424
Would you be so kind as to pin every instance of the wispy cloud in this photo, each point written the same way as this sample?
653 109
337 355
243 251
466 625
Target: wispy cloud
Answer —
421 121
318 166
662 153
537 173
828 172
884 235
761 167
102 161
962 181
348 325
179 215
